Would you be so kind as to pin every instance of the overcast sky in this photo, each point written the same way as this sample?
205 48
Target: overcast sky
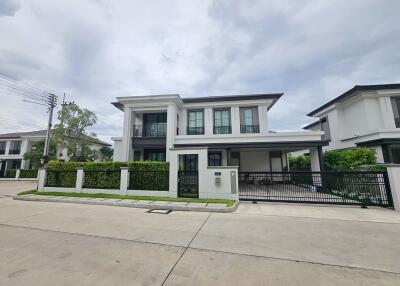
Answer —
97 50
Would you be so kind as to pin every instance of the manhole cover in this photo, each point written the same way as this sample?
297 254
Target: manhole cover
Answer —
159 211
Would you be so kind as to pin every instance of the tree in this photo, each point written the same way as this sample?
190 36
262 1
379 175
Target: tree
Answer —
36 153
71 133
106 153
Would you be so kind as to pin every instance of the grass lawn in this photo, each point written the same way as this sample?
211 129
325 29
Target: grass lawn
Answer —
149 198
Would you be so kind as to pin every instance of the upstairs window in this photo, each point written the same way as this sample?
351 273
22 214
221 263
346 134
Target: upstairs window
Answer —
396 110
214 159
249 120
195 122
222 121
15 147
3 147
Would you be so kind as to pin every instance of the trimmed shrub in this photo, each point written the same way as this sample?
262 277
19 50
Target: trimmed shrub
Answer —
11 173
28 173
300 163
348 159
61 178
148 175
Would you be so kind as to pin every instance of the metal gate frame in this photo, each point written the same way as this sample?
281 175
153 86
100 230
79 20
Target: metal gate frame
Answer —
188 184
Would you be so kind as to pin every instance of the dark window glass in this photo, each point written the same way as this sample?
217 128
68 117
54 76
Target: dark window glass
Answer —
15 164
195 122
136 156
154 155
15 147
3 147
214 159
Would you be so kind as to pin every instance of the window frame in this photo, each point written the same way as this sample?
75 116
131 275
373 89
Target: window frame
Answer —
213 153
228 110
189 111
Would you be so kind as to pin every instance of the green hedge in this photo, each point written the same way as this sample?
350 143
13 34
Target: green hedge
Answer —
108 175
11 173
28 173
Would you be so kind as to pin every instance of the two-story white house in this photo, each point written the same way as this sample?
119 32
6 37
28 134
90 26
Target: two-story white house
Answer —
234 129
13 146
366 115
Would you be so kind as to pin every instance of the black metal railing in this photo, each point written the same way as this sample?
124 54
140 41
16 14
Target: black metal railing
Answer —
150 130
397 122
101 179
188 184
249 128
149 180
222 129
195 131
14 151
347 188
66 179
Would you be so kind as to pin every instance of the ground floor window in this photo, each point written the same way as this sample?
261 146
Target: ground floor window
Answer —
214 159
188 162
15 164
154 155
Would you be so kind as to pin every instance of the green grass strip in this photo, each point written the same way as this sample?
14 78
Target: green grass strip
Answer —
147 198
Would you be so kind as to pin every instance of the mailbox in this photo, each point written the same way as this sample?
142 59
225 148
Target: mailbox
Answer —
217 178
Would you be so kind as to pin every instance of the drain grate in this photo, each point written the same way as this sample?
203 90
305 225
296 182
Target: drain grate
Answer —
159 211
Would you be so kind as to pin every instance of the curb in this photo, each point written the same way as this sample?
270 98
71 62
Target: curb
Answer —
36 198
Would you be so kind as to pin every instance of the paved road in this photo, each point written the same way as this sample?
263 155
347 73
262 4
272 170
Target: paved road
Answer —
11 188
264 244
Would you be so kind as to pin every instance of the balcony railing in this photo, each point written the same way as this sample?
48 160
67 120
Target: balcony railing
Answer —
150 130
249 128
195 131
397 122
14 151
222 129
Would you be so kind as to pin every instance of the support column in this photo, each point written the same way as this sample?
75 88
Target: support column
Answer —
315 159
127 150
171 129
235 120
394 180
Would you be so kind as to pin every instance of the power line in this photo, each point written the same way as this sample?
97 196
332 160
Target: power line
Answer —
10 78
20 90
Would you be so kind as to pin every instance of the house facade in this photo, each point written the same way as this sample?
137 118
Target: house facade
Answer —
234 131
366 115
13 146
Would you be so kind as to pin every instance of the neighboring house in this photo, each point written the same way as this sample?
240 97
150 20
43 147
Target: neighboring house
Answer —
234 129
13 146
366 115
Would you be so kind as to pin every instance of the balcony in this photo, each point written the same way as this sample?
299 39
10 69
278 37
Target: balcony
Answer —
397 122
151 130
222 129
249 128
195 131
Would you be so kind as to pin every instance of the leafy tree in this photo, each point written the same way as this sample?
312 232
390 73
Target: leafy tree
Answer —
36 153
71 133
349 159
300 163
106 153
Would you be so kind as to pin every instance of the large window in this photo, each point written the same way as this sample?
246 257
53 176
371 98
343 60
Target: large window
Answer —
154 155
15 147
154 125
222 121
396 110
214 159
3 147
195 122
249 120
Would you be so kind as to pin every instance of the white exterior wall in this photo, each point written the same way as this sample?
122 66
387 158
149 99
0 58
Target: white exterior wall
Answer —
254 161
118 155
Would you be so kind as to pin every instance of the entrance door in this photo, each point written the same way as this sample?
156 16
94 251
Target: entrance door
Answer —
188 176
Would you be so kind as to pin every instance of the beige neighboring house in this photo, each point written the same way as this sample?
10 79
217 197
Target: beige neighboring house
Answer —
13 146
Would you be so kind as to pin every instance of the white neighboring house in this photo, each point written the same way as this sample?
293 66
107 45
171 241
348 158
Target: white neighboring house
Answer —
13 146
234 129
366 115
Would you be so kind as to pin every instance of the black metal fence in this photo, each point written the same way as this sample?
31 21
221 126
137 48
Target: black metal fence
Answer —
66 179
348 188
149 180
101 179
188 184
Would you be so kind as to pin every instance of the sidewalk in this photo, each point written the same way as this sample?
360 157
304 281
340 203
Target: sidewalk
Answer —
151 205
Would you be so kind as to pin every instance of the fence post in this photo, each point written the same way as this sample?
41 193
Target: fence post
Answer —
394 181
41 179
17 173
79 180
124 183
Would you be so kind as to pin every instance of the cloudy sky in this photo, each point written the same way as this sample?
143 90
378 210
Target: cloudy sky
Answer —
95 50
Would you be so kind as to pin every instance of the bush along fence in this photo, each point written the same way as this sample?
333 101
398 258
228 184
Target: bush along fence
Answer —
20 174
122 178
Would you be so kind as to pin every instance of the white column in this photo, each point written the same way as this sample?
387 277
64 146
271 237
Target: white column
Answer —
8 143
314 157
208 121
394 180
124 183
173 174
171 128
17 173
263 118
235 120
79 180
41 179
127 150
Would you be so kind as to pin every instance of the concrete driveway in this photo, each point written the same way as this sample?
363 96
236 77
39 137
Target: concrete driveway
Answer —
11 188
263 244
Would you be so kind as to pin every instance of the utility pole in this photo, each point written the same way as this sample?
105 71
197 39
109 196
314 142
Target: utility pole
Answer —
52 104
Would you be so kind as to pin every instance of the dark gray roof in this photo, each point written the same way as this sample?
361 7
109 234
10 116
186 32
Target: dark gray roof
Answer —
353 92
42 133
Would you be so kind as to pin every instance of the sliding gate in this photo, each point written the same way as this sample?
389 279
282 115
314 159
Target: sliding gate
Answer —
345 188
